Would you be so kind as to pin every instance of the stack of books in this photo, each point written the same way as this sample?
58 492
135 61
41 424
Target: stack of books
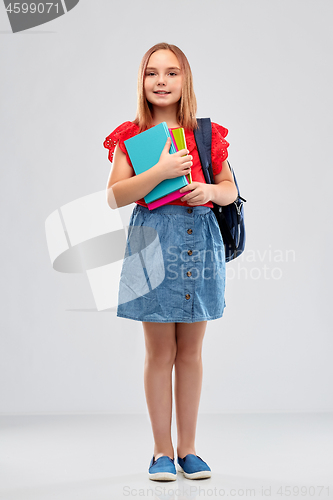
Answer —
145 150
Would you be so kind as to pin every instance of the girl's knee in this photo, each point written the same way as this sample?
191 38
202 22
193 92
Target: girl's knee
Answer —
188 354
161 357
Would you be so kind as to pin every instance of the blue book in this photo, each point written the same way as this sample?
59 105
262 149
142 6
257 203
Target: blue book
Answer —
145 150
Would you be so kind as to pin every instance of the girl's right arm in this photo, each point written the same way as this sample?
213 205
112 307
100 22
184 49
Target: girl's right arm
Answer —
124 187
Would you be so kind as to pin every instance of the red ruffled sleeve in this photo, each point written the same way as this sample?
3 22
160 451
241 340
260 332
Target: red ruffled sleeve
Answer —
219 147
118 136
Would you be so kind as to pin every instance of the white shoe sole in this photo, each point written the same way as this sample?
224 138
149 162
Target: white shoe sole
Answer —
202 474
162 476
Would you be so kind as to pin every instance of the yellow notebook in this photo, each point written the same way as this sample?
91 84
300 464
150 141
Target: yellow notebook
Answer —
178 136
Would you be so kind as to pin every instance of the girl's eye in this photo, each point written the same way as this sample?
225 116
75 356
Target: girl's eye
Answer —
151 73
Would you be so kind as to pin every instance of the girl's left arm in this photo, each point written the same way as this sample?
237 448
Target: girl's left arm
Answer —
223 192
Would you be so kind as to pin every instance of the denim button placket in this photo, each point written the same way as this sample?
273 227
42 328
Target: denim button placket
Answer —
189 282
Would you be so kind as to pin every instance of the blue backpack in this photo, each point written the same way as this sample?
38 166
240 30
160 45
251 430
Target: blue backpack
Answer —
230 217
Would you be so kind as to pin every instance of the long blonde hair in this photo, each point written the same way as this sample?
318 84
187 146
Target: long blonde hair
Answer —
187 106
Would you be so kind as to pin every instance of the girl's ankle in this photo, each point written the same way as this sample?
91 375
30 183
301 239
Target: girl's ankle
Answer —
161 454
182 452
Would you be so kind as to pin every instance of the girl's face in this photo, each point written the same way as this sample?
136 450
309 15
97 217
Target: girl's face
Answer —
163 79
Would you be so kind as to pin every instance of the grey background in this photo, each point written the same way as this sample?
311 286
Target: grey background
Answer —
261 69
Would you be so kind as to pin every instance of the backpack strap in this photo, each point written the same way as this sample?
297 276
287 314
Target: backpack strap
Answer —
203 138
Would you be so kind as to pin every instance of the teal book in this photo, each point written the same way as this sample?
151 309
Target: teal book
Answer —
145 150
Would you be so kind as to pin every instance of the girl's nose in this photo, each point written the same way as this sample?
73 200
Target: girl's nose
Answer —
161 80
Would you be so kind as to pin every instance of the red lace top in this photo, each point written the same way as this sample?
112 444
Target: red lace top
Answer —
219 152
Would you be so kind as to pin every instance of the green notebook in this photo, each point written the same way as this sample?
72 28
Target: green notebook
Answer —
180 143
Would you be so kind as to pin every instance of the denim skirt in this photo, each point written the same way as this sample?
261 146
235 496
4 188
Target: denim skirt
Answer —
174 266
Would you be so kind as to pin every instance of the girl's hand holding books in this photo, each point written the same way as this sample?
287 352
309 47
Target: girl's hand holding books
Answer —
199 193
174 165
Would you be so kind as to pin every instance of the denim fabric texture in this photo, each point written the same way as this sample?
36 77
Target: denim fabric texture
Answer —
174 266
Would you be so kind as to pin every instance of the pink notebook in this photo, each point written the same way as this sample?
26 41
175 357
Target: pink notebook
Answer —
171 196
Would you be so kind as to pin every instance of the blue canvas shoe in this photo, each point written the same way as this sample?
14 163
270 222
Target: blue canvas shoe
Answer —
193 467
162 469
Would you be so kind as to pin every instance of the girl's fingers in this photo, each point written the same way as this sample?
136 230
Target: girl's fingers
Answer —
183 153
167 145
187 160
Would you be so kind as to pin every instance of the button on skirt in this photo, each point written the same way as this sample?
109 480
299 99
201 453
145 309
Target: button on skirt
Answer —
174 266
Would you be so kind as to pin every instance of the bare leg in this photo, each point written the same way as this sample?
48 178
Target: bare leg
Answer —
188 382
160 339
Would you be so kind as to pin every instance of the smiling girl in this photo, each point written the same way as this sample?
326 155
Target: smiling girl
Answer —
174 283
